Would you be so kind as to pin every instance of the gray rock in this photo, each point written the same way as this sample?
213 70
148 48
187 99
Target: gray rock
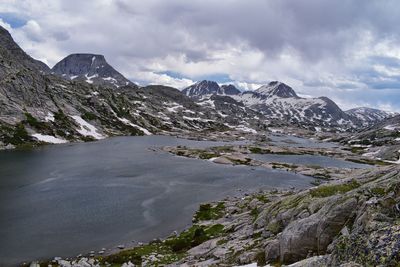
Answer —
316 232
316 261
91 68
272 250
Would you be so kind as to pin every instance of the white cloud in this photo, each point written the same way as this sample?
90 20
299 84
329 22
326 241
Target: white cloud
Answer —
164 79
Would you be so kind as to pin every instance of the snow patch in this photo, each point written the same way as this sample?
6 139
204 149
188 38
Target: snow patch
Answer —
86 129
128 122
49 117
49 139
390 127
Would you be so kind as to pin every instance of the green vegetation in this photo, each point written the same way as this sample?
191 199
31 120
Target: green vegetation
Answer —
63 124
260 259
330 190
378 191
262 198
39 125
357 150
171 250
208 212
259 150
254 212
88 116
279 165
275 227
223 149
207 155
235 161
20 135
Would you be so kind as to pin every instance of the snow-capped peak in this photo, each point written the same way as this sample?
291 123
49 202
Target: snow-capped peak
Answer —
276 88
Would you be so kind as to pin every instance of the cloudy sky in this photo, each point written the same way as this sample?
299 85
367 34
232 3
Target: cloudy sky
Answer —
348 50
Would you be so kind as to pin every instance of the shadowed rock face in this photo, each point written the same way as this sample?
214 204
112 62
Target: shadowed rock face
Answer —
202 88
90 68
229 89
7 43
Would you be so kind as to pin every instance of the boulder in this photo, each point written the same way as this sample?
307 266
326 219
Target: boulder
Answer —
272 252
316 232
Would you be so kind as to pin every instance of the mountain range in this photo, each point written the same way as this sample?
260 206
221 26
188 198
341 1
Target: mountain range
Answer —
84 98
279 101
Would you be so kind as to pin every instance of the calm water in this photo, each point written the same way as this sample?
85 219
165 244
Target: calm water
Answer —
317 160
69 199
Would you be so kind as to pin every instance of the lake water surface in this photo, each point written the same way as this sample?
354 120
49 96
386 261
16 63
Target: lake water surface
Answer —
69 199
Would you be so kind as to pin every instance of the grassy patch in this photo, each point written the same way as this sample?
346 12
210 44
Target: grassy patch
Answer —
262 198
207 155
89 116
378 191
19 136
330 190
245 161
208 212
275 227
39 125
254 212
259 150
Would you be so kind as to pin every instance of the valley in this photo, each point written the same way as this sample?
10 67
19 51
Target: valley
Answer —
99 171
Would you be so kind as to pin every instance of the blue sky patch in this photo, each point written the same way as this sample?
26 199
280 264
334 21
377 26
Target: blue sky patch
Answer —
13 19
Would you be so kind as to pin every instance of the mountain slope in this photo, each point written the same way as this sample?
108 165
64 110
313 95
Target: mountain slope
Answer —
279 101
368 116
380 141
42 107
90 68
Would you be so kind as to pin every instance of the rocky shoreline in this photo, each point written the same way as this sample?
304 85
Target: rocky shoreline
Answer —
241 155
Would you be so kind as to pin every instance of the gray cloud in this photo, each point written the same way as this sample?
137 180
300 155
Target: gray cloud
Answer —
321 47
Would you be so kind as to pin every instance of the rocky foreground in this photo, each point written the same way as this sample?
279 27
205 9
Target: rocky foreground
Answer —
354 221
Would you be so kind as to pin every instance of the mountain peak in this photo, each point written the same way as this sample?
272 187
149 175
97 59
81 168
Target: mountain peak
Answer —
201 88
278 89
229 89
92 68
206 87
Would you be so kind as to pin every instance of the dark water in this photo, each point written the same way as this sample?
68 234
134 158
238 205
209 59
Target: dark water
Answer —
69 199
314 160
